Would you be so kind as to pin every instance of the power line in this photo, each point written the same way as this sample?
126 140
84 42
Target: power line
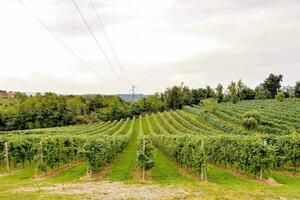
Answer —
109 41
63 43
97 42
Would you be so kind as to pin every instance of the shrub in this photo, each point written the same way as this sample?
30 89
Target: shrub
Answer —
249 123
210 105
280 96
251 119
234 99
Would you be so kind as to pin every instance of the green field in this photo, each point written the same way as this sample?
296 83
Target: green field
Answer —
262 163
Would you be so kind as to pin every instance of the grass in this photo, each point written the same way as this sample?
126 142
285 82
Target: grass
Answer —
224 185
166 172
71 175
23 178
20 176
286 180
122 168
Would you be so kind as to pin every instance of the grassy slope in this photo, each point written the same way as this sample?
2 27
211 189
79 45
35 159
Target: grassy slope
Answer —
123 167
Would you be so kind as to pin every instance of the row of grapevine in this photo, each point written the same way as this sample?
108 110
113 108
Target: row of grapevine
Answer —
98 151
144 150
268 125
248 154
215 121
221 140
48 151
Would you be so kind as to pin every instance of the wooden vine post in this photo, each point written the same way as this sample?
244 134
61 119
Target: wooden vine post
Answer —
6 156
41 159
203 163
144 146
261 171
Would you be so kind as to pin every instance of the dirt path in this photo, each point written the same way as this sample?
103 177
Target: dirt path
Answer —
117 190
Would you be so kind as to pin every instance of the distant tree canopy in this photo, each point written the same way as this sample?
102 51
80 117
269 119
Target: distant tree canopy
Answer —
297 89
51 110
272 84
48 110
178 96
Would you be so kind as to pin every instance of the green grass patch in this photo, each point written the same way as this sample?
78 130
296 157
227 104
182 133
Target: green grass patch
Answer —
69 175
286 180
165 171
122 168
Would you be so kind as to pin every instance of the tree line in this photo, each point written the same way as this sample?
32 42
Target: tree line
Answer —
50 110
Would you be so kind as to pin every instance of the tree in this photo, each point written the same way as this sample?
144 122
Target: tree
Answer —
177 96
95 102
272 84
239 87
288 91
152 103
219 93
247 94
198 95
297 89
232 89
210 92
260 93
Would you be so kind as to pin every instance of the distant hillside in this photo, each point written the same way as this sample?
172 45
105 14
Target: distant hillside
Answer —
128 97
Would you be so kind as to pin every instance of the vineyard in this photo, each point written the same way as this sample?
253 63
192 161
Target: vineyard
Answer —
194 139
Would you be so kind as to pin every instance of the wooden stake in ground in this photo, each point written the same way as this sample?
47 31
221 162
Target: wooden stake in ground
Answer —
203 164
143 158
41 159
261 171
6 156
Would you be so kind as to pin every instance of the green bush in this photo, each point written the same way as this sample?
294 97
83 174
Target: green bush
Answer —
280 96
251 119
249 123
210 105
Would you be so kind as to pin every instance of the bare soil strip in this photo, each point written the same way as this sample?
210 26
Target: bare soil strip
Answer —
117 190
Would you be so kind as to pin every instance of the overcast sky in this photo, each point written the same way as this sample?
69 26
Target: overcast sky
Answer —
158 42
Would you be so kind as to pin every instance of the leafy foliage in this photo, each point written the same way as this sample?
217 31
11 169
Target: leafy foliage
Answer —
280 96
251 119
297 89
100 150
272 84
49 148
145 153
210 105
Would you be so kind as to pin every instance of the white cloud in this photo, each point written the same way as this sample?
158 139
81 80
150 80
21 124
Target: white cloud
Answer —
159 43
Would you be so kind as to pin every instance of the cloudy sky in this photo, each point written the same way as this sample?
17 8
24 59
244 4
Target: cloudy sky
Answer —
159 43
